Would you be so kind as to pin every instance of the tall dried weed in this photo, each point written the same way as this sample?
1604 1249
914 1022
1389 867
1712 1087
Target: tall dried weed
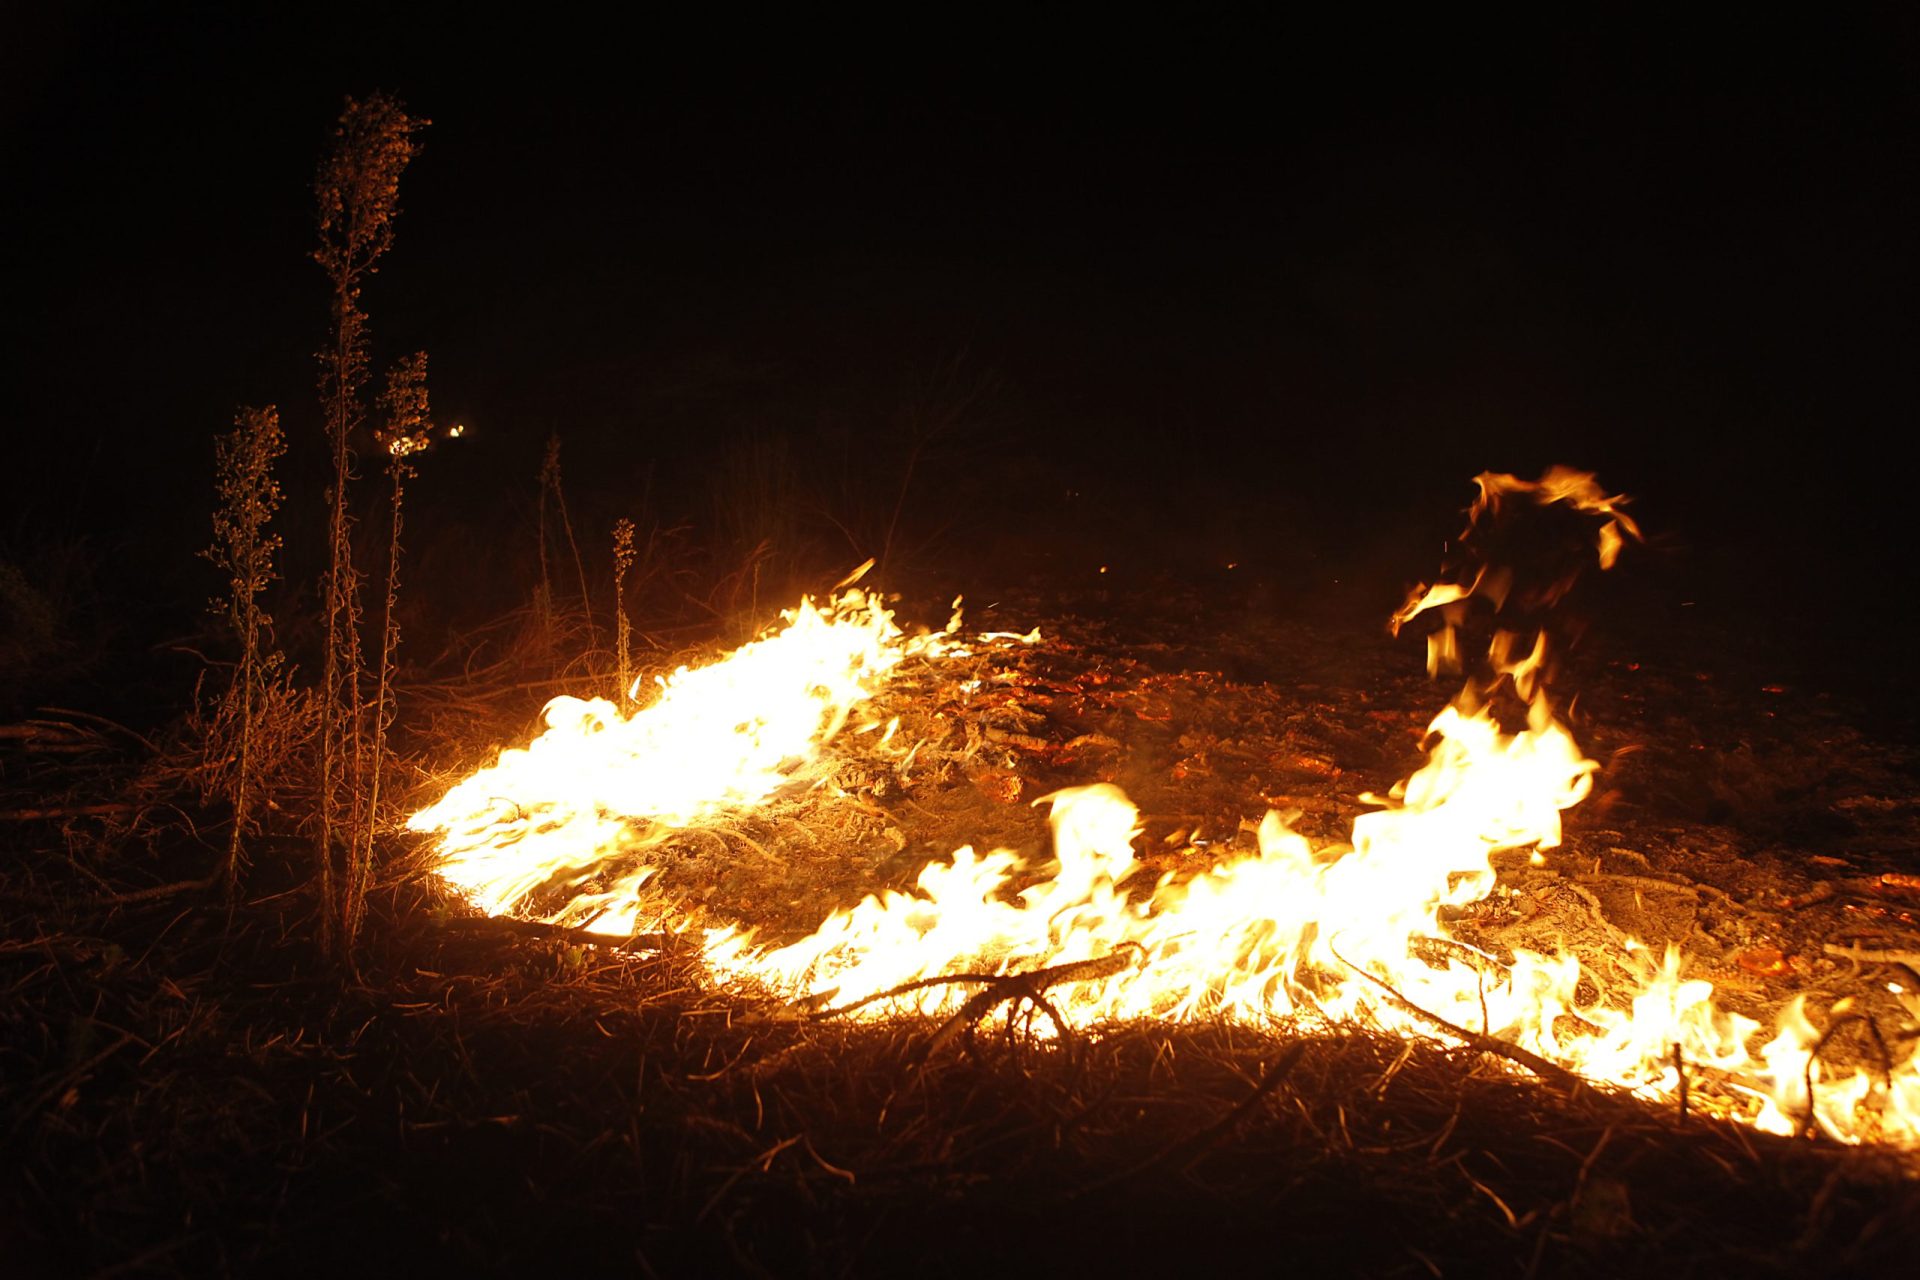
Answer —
257 720
358 191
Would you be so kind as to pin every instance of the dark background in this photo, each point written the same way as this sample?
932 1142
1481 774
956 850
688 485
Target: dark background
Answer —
1222 292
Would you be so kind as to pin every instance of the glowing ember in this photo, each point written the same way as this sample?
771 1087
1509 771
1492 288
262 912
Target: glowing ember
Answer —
1348 932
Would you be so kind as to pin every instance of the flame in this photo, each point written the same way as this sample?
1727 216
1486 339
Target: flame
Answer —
597 783
1561 488
1235 938
1290 932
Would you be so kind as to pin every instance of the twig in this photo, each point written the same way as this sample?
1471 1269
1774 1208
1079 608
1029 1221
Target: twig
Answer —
1818 893
1013 985
1473 1039
1587 1163
1680 1069
1001 988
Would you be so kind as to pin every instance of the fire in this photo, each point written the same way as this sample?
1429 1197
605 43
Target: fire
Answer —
1287 933
1256 937
597 784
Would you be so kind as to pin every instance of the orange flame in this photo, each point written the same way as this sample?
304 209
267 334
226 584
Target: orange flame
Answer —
1348 932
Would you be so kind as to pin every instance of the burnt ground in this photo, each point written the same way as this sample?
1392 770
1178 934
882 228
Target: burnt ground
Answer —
187 1088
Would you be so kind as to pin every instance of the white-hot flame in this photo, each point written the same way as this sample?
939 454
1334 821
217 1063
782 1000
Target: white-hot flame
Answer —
599 783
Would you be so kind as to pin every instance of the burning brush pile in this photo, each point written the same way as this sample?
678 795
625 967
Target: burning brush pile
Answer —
1437 913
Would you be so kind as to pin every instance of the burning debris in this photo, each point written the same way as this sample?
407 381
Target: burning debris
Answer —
1397 928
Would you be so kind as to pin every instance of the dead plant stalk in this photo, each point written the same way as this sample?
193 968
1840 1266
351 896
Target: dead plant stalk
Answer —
406 432
358 193
242 546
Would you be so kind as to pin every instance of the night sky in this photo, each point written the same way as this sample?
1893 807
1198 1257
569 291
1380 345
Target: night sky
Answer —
1249 289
